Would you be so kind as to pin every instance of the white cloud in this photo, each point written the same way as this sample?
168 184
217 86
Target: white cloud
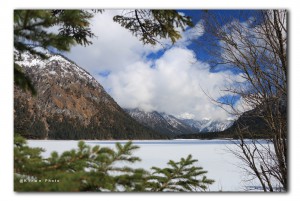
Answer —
112 49
173 83
191 34
242 106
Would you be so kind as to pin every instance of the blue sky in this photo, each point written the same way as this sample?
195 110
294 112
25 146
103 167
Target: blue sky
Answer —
176 79
223 17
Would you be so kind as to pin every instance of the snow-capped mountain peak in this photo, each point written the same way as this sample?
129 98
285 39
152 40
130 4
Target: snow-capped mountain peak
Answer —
170 124
66 67
208 125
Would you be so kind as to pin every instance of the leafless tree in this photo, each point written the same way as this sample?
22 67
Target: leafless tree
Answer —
256 47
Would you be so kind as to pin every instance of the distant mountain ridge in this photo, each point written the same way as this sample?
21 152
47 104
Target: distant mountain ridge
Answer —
209 125
250 124
160 122
70 104
171 125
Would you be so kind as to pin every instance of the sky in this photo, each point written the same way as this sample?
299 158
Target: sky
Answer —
174 79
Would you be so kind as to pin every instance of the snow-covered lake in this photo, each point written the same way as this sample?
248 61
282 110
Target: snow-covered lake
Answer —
212 155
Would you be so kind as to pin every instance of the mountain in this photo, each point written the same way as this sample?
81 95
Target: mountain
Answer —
250 124
168 124
70 104
160 122
208 125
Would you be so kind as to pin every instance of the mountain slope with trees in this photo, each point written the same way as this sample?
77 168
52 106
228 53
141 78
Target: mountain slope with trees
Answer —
70 104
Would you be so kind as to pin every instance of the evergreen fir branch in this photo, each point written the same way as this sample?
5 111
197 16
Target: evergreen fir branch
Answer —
94 169
22 81
182 176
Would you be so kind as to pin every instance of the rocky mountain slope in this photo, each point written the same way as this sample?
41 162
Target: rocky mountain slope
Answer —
70 104
168 124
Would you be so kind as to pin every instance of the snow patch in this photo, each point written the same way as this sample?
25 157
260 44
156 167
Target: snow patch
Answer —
28 60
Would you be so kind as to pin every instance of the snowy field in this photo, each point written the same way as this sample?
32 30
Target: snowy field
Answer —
212 155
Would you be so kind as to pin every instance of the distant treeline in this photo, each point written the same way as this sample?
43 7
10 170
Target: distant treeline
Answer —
218 135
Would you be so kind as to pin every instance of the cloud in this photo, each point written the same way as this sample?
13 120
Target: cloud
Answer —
112 49
172 83
191 34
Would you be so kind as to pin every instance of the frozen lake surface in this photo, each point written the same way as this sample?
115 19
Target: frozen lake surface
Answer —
213 155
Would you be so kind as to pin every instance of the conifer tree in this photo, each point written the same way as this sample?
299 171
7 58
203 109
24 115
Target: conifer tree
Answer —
181 176
99 169
152 25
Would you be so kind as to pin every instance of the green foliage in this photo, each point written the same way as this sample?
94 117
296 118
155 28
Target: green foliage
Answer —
152 25
32 29
36 29
60 29
180 177
99 169
24 155
22 80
